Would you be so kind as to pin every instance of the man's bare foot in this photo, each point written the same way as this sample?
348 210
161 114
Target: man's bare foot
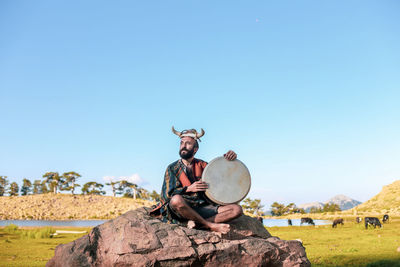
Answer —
191 224
220 227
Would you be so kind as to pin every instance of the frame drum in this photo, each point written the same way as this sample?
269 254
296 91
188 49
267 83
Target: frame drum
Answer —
228 181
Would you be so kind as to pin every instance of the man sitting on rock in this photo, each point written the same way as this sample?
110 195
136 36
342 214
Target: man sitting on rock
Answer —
182 193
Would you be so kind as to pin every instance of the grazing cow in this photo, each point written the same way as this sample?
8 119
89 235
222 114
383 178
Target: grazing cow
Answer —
307 220
336 222
372 221
289 222
385 218
358 219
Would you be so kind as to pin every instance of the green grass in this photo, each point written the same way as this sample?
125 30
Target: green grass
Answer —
31 247
348 245
45 232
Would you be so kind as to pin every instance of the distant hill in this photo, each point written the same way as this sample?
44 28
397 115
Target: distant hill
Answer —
342 201
387 201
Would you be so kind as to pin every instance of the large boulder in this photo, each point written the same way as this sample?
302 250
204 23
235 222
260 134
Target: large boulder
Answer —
136 239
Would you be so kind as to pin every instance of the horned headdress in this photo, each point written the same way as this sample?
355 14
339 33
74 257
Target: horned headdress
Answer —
191 133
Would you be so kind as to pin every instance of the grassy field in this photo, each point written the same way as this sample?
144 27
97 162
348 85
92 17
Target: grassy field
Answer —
31 247
348 245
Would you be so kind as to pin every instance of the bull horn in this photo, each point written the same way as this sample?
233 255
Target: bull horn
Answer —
176 132
198 135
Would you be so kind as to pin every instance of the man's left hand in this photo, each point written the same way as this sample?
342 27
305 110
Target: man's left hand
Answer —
230 155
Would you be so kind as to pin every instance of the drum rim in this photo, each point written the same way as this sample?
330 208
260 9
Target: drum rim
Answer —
220 202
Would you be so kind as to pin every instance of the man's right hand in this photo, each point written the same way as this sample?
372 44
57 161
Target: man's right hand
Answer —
196 187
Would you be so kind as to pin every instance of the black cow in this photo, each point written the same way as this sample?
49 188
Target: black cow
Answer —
336 222
289 222
307 220
372 221
358 219
385 218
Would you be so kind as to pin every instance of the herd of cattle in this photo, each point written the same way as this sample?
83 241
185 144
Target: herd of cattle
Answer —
373 221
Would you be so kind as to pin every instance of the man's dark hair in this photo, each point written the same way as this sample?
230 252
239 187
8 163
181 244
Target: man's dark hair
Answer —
196 144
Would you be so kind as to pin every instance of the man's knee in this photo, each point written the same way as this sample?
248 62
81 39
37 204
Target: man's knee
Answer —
237 210
177 202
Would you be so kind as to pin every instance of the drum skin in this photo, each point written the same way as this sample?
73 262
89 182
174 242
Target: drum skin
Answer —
228 181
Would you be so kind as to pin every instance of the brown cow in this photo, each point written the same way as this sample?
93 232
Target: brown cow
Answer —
336 222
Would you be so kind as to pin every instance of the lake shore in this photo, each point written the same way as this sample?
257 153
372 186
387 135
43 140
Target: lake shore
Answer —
66 207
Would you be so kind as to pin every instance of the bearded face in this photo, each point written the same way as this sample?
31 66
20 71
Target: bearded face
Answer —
187 148
186 153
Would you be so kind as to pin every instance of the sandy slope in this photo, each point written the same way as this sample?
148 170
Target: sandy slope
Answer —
64 206
387 201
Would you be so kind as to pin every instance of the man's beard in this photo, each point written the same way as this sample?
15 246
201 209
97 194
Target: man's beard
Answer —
189 153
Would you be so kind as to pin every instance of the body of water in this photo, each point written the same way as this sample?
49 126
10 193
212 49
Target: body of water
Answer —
69 223
295 222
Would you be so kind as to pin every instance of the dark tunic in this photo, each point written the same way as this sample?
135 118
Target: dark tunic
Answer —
176 180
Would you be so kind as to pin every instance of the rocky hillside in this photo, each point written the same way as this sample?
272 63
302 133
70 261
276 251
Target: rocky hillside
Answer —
64 207
387 201
343 202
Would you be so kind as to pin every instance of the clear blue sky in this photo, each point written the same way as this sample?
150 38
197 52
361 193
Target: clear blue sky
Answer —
306 92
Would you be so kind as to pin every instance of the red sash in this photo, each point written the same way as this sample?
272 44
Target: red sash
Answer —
198 171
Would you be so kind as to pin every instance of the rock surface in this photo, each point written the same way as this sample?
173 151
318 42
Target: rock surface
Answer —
136 239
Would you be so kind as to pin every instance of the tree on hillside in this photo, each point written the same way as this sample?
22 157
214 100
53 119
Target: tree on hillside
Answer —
129 189
70 181
26 187
54 180
253 206
155 196
39 187
331 207
3 185
315 210
143 193
44 189
291 208
278 209
93 188
14 188
132 190
114 186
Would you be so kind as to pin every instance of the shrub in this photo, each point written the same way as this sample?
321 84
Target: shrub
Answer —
11 229
46 232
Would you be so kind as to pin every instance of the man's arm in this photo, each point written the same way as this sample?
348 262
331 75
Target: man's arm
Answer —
171 186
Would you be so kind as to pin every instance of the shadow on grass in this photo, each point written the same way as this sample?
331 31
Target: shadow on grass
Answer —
385 263
343 261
